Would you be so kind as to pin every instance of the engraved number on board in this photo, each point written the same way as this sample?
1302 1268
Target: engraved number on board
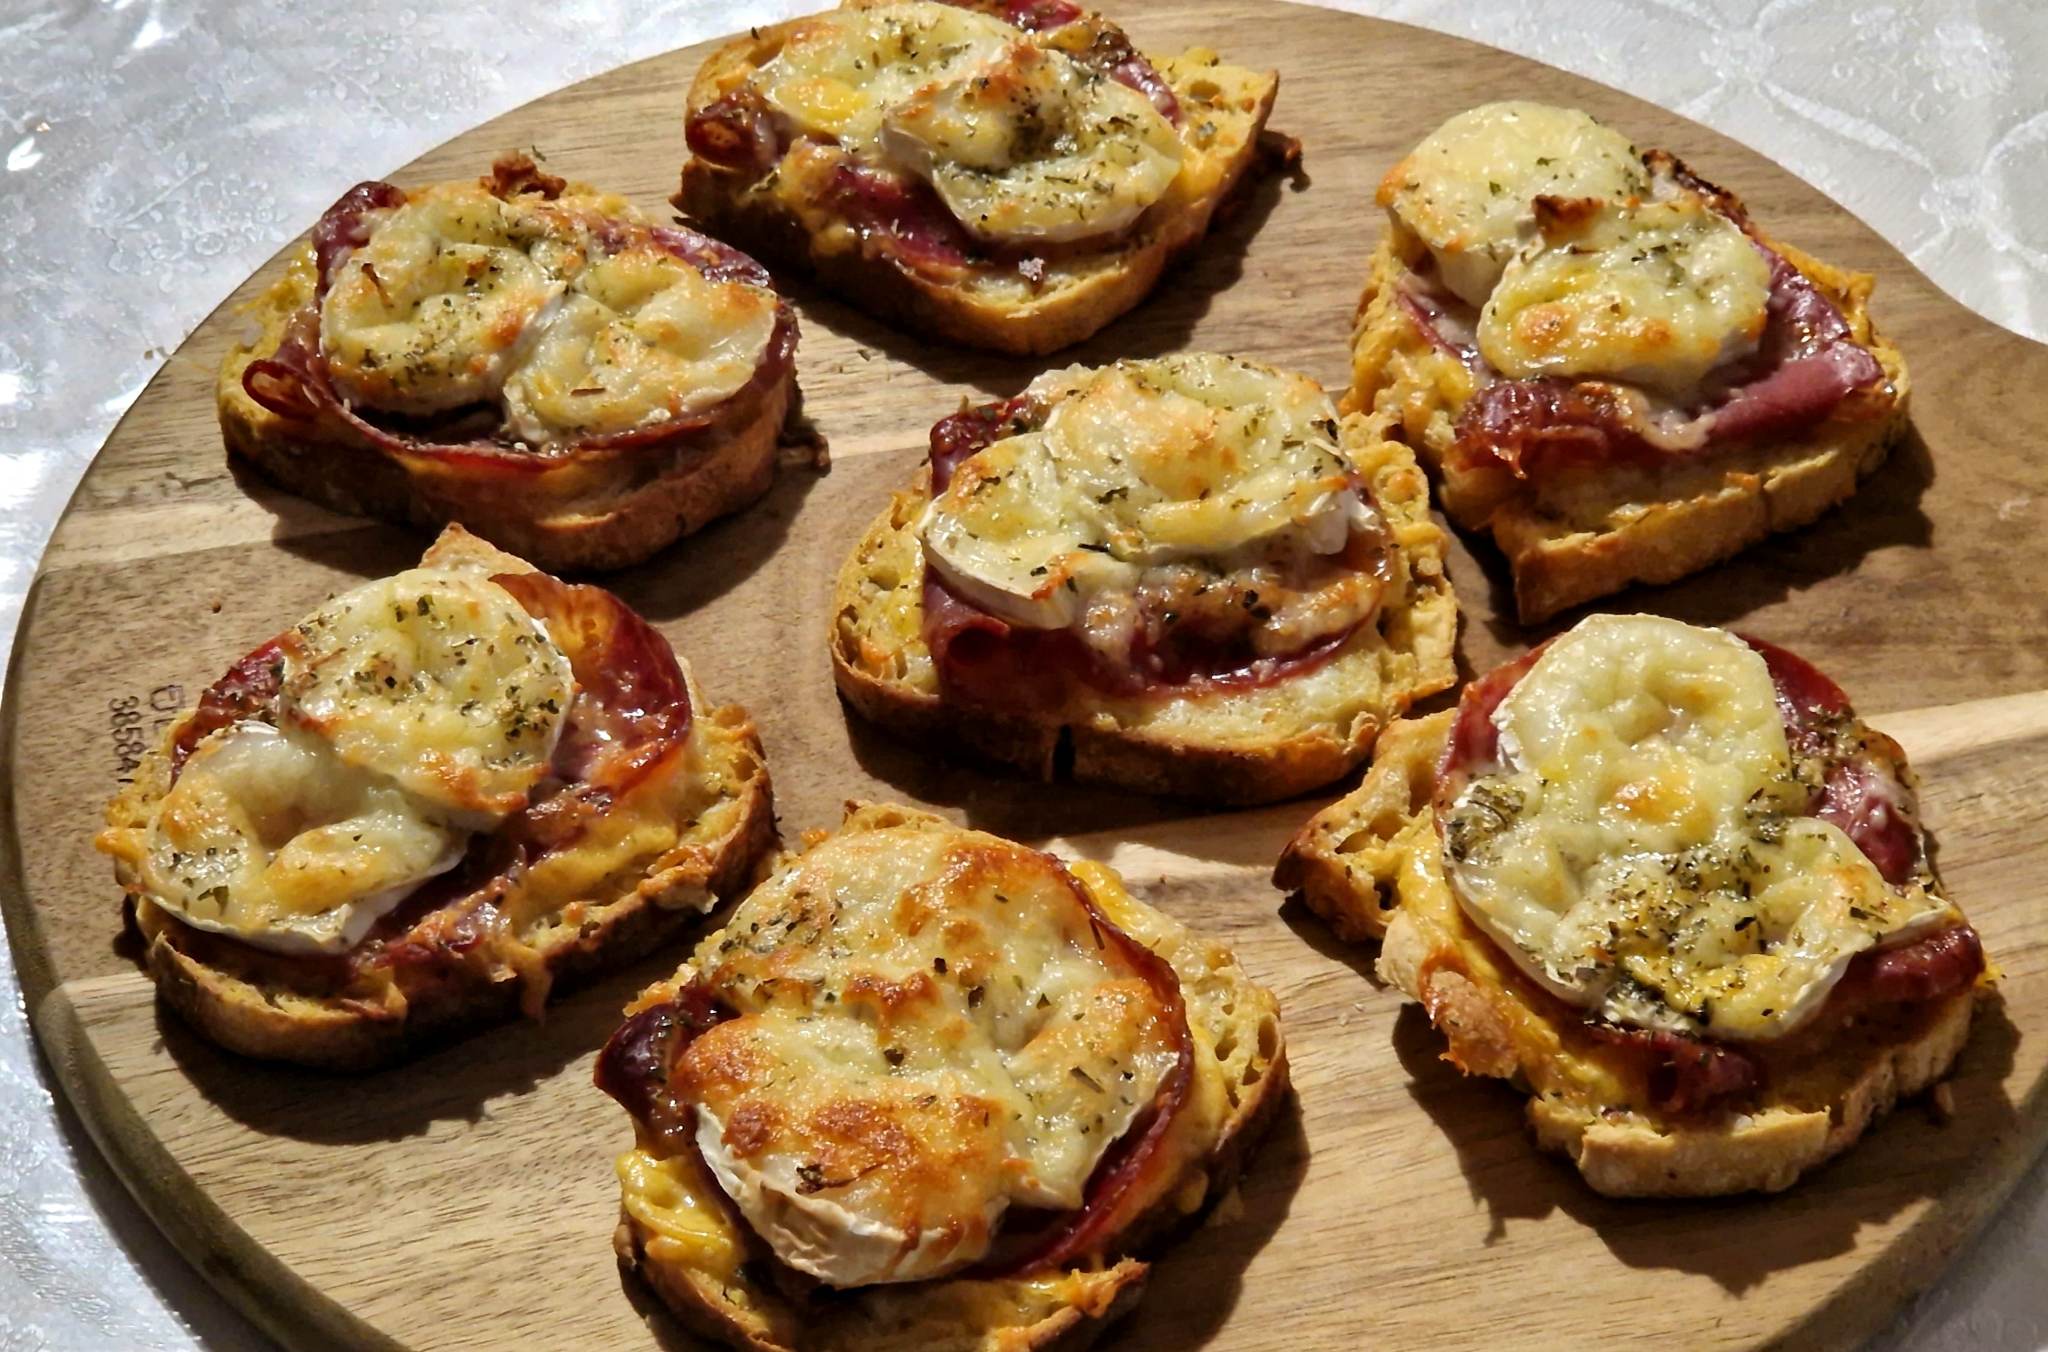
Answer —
137 721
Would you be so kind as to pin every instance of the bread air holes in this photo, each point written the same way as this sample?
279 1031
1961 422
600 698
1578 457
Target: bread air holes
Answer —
1063 755
1269 1049
1388 822
1391 623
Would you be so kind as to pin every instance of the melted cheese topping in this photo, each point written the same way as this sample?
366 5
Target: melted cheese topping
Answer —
460 299
438 680
840 72
641 337
429 314
1197 460
670 1196
1021 142
1469 190
1032 145
1638 850
412 711
1657 294
929 1031
267 836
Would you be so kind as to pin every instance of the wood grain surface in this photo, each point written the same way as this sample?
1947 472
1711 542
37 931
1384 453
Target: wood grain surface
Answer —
466 1201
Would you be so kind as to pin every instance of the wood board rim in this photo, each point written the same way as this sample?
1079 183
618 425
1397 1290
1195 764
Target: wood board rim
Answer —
255 1280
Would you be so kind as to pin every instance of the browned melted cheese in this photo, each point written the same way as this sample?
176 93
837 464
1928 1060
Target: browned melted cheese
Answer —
929 1028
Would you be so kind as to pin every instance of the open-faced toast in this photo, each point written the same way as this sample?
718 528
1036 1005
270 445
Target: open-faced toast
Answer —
947 984
1002 175
527 356
1612 369
1763 1008
527 773
1033 660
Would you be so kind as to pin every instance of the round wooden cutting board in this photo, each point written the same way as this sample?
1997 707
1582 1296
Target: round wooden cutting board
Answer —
467 1200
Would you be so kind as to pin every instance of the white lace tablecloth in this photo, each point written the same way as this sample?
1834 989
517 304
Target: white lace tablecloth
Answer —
154 152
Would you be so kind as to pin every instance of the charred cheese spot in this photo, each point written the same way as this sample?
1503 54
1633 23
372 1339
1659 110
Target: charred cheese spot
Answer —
1655 293
1022 142
640 337
1197 477
1468 191
1640 848
929 1029
267 836
437 680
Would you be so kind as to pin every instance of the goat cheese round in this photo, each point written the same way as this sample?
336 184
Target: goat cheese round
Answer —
1208 464
437 680
268 836
1653 293
1642 847
1021 142
1468 191
927 1029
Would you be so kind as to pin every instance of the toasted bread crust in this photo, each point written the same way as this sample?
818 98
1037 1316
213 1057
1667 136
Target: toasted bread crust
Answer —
1370 863
1235 747
1235 1020
1091 289
1568 546
1095 1301
1355 861
595 510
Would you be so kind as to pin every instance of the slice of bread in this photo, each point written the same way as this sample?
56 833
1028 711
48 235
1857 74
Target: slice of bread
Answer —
680 1235
1232 746
776 217
1581 534
1370 864
1355 862
696 832
589 509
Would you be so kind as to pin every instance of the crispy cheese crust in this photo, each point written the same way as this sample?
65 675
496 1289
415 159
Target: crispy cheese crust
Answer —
677 1231
1082 291
700 832
1370 864
593 510
1591 534
1236 746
